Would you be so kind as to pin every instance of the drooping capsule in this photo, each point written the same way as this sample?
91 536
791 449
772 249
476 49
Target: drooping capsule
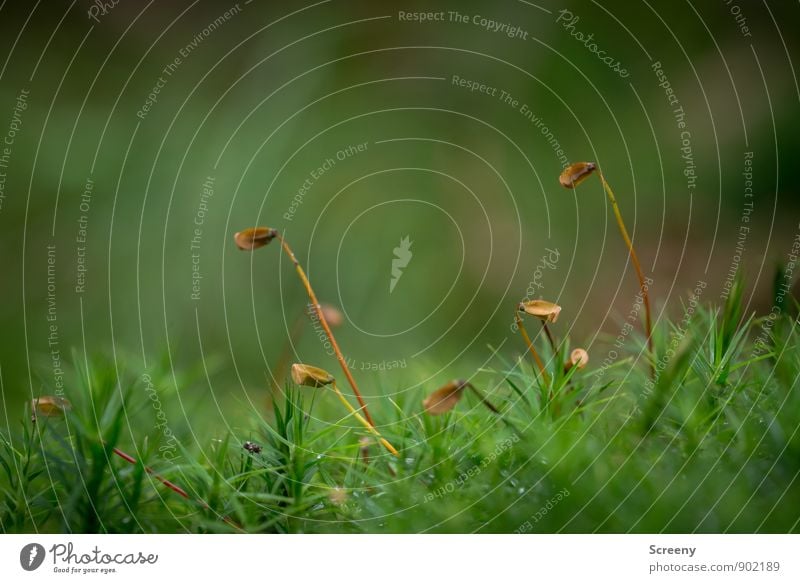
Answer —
542 309
310 376
445 398
576 173
254 237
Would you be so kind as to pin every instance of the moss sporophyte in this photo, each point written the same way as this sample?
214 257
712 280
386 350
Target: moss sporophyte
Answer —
312 376
570 178
257 237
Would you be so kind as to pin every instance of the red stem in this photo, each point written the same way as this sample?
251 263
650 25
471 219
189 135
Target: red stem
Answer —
170 485
164 481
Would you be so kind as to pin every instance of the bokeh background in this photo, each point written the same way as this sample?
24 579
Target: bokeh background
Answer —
360 105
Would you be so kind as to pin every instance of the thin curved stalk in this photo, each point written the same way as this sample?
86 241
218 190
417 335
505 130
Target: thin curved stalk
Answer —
635 260
369 427
315 303
131 460
531 348
174 487
549 337
492 408
483 399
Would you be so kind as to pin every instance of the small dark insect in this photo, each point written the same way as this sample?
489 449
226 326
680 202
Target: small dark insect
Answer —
252 447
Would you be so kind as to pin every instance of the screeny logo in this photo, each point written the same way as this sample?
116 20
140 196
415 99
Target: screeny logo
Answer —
402 257
31 556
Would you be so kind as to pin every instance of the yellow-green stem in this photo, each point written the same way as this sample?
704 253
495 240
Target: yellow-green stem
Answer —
635 260
364 422
315 304
531 348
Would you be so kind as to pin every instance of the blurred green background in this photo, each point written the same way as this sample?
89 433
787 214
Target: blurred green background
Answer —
263 94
